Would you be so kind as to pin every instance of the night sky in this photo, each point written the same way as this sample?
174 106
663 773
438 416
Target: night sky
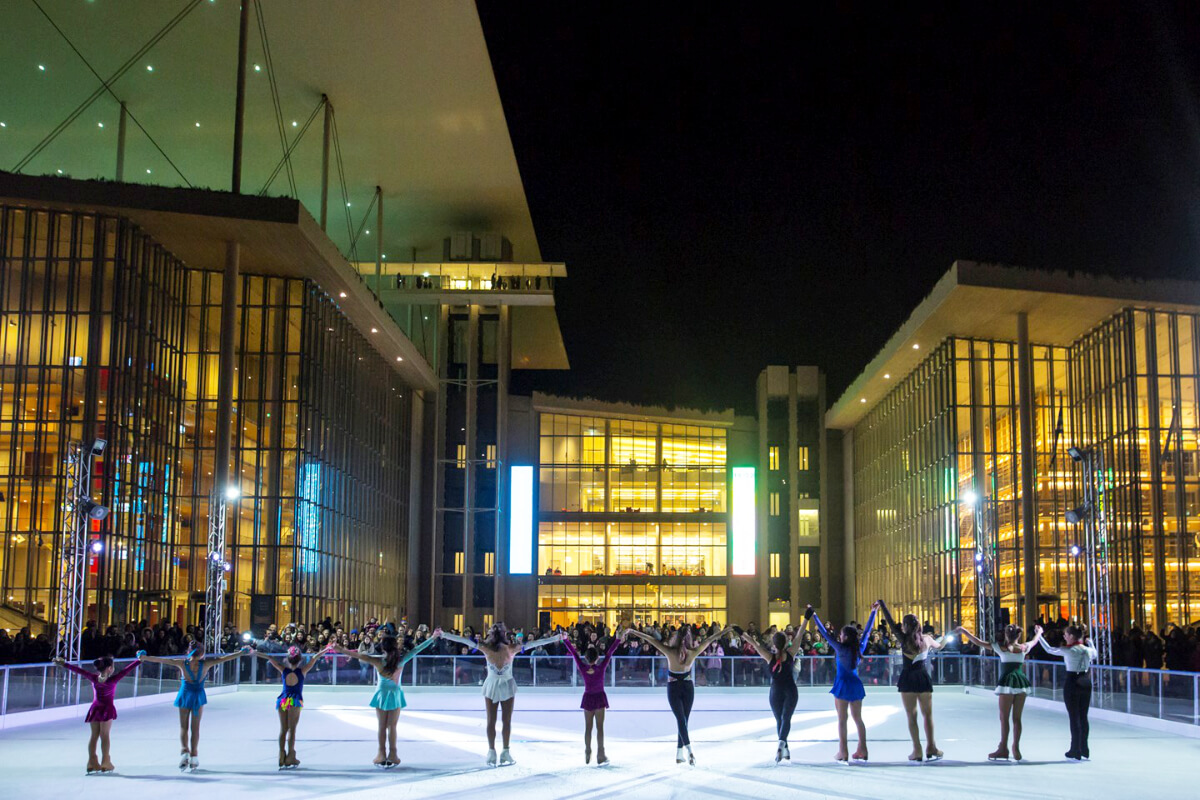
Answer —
752 186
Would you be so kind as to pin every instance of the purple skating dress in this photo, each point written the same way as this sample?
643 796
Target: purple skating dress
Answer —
103 708
593 676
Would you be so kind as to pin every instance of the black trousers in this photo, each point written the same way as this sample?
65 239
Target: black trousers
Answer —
680 695
1077 693
783 705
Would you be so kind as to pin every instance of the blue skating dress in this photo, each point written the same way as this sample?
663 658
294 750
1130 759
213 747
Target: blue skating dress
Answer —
191 689
846 684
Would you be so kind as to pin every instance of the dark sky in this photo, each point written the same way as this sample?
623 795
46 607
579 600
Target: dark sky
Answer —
753 186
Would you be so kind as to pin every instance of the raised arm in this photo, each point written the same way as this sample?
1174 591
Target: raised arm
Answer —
975 640
269 659
896 630
705 642
1054 651
612 647
374 661
650 640
758 648
464 641
545 640
797 640
312 662
229 657
125 670
822 630
571 651
1037 637
83 673
411 654
866 634
169 662
934 644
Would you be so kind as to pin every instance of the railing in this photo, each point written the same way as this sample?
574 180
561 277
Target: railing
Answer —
34 687
1160 694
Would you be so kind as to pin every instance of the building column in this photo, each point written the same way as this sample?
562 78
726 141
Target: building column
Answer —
470 567
793 491
850 590
1029 531
762 569
501 465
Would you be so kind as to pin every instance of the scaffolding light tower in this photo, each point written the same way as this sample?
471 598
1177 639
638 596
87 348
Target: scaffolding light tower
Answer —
78 510
215 565
985 585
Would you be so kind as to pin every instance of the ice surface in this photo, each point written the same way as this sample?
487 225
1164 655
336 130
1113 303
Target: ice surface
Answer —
442 745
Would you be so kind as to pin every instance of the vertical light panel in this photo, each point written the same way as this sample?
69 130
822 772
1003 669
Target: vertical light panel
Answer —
744 521
520 521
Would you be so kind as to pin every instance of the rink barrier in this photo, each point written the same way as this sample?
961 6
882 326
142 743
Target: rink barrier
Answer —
1158 694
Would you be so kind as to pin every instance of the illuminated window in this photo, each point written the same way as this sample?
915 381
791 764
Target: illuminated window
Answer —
802 566
459 563
802 459
489 563
774 504
773 458
490 461
488 620
461 456
458 622
775 568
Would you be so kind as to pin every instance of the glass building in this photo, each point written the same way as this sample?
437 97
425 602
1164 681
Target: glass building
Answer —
106 333
956 441
633 519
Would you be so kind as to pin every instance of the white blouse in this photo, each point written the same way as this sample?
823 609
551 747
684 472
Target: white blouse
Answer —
1077 658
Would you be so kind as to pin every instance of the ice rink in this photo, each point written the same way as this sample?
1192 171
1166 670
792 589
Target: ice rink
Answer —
442 745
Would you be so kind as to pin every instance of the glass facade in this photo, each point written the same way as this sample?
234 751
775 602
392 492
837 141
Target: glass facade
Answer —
639 504
938 461
105 334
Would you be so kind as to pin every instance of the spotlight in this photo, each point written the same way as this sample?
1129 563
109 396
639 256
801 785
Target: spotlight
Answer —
978 557
1076 515
98 447
1074 550
93 510
232 493
97 546
246 637
227 566
969 497
1076 454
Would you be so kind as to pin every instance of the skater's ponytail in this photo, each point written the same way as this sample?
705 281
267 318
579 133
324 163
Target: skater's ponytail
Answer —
391 655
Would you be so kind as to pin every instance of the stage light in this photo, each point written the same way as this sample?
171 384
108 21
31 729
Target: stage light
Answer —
969 497
97 546
93 510
1076 454
246 637
978 557
1075 550
1076 515
98 446
227 566
232 492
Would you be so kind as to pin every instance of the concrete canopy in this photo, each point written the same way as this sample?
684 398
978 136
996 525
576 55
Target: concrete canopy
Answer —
417 108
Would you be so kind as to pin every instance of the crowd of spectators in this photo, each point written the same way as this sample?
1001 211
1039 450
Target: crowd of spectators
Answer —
1174 648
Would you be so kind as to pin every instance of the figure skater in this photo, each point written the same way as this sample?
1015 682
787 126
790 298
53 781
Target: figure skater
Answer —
191 699
1013 686
592 667
389 697
680 655
292 672
1077 655
499 687
914 685
781 655
103 711
847 691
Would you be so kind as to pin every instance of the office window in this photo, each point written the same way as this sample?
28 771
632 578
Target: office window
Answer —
490 457
489 563
774 504
458 622
773 458
775 566
488 620
459 563
802 566
802 459
461 456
